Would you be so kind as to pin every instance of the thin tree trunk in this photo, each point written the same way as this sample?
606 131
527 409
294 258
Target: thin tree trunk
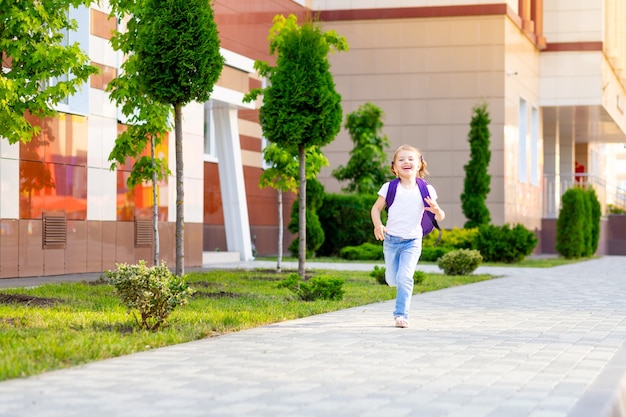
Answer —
155 205
302 213
280 230
180 192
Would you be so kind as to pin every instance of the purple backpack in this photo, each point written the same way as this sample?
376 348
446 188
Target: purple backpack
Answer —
428 219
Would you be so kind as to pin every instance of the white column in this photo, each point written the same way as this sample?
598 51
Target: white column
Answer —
232 183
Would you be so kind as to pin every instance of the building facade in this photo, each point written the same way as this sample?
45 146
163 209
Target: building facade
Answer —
551 72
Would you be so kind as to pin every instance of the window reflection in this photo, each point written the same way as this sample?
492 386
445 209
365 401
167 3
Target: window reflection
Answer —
53 168
138 201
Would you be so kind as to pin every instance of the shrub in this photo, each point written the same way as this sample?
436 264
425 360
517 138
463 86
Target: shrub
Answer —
317 288
314 231
431 254
155 292
452 239
596 215
570 225
348 220
504 244
379 274
460 262
364 252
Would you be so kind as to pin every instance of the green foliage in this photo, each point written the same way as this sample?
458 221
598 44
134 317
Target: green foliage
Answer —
300 104
317 288
314 232
613 209
477 180
177 48
379 274
300 107
460 262
367 168
346 217
578 224
154 292
452 239
364 252
594 224
504 243
148 120
32 34
433 253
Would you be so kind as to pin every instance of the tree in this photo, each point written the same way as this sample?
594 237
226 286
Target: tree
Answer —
282 175
477 181
178 61
367 168
300 105
41 68
148 120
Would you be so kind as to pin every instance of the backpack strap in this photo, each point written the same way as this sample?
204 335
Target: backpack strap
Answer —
391 193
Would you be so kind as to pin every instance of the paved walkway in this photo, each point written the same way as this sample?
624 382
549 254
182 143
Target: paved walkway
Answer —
534 343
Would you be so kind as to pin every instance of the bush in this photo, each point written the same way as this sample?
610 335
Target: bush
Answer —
570 225
460 262
364 252
379 274
317 288
314 232
155 292
348 220
452 239
596 215
504 244
431 254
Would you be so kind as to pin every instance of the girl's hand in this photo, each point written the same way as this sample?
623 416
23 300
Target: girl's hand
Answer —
435 209
379 232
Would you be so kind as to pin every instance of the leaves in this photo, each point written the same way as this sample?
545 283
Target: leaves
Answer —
32 36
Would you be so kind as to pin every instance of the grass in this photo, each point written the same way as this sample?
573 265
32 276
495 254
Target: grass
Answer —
84 322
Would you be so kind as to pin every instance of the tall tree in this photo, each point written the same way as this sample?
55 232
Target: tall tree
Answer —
300 105
178 61
367 168
40 67
148 121
282 175
477 180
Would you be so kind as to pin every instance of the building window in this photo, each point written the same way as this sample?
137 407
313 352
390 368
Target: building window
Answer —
523 132
53 168
79 102
534 146
210 153
138 202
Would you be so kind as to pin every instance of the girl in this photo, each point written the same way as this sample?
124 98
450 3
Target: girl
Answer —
402 236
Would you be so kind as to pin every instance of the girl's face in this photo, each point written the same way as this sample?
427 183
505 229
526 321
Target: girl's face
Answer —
406 164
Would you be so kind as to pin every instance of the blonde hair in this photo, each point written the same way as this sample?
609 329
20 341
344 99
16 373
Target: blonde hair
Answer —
422 171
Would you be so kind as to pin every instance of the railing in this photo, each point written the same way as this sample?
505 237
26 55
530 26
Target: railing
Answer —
554 186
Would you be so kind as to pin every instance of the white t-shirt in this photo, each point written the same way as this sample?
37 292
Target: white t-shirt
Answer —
404 218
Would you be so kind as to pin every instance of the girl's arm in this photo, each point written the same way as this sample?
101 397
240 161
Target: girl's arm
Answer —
379 227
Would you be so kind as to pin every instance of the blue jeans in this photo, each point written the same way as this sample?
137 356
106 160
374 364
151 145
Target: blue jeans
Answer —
401 256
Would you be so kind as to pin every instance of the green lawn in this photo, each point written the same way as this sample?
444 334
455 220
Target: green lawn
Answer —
61 325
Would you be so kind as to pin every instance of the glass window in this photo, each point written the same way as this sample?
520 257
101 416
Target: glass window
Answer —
53 168
138 201
210 153
534 146
523 131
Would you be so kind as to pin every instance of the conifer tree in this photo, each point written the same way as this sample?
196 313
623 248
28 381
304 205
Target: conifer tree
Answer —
477 180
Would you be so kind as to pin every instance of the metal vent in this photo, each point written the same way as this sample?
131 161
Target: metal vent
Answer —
54 234
143 233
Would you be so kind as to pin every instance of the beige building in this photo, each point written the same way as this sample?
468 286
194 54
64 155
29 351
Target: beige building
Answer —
552 73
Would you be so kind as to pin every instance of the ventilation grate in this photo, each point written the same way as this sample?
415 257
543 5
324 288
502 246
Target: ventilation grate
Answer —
143 233
54 234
